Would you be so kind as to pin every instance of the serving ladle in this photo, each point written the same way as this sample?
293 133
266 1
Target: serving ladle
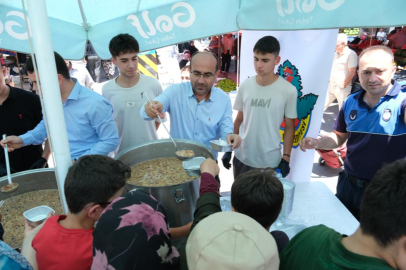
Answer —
181 157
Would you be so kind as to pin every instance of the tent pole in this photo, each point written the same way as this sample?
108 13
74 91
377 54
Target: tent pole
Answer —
45 60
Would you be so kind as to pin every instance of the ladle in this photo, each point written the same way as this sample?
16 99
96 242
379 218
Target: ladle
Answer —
11 186
160 119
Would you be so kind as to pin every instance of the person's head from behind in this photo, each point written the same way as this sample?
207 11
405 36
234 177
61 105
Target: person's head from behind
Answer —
376 70
203 72
230 240
341 42
124 51
266 55
383 211
185 73
259 195
134 229
61 69
92 183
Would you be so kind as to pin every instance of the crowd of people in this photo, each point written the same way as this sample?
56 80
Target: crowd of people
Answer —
132 230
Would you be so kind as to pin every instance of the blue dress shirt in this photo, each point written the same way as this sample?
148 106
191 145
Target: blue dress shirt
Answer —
89 121
192 120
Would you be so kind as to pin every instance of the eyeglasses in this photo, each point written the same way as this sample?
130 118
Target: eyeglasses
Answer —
102 204
206 76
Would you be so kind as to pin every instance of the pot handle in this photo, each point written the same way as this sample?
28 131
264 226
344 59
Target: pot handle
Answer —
179 197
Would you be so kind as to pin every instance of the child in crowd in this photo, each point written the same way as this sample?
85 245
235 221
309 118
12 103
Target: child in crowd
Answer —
259 195
223 234
379 242
92 183
133 233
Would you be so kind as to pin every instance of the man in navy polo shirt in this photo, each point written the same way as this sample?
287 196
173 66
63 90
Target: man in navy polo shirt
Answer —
373 122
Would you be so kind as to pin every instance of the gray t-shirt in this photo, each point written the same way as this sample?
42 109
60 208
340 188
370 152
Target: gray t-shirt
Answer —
264 109
127 102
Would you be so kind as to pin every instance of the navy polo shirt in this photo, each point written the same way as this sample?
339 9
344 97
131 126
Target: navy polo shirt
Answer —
376 136
19 113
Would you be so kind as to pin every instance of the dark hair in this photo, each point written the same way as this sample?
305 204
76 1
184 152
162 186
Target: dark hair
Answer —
259 195
123 43
376 48
267 44
94 179
61 67
208 53
384 205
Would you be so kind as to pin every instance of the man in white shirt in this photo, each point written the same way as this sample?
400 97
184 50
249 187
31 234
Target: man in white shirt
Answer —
381 35
124 93
345 63
81 74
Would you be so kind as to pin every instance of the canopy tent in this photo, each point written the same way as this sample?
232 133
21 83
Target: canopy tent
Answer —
161 23
66 25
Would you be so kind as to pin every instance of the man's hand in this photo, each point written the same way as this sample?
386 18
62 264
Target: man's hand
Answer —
284 167
13 143
210 166
40 163
154 109
234 139
308 143
226 160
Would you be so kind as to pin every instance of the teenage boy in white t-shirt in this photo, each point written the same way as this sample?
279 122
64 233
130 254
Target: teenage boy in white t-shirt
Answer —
263 102
124 93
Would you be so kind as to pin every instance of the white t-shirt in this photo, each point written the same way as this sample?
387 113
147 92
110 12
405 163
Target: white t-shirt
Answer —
127 103
341 65
264 108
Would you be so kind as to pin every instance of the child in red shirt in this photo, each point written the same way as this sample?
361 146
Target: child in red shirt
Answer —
65 242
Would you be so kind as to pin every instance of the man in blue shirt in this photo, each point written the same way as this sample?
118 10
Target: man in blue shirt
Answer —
198 111
88 117
373 122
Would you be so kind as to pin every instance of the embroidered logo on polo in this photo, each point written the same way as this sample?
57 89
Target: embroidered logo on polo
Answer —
387 114
353 115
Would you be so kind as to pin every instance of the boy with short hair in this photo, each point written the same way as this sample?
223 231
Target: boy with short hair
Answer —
125 93
263 102
259 195
379 242
262 207
65 242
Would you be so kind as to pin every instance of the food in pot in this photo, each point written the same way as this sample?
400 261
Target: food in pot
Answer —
185 153
14 207
159 172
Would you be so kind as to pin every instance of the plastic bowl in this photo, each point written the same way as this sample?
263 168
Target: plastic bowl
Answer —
38 213
221 146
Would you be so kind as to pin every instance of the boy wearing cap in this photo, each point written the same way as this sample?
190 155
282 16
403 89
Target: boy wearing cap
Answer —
65 241
226 232
379 242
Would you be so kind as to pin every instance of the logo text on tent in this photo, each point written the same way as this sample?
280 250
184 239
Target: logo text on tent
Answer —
163 23
305 6
9 25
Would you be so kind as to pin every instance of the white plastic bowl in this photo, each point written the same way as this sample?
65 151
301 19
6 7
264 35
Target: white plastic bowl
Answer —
193 163
38 213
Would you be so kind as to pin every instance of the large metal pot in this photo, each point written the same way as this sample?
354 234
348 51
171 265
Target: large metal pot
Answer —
179 201
29 181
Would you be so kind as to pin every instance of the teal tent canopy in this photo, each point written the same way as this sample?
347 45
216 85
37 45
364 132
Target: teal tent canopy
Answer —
161 23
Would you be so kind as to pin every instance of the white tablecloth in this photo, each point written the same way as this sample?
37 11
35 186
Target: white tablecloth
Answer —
313 204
